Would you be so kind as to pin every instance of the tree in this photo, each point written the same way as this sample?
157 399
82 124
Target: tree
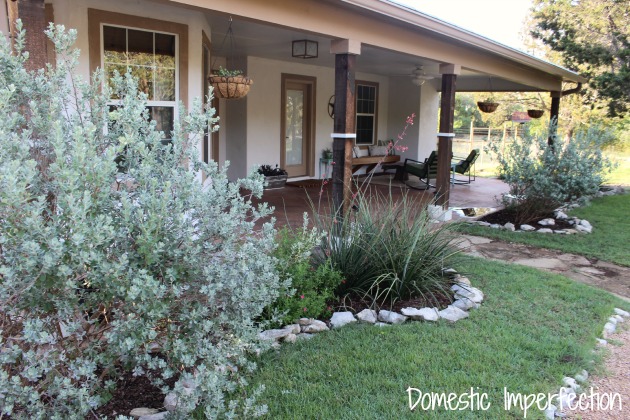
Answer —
592 37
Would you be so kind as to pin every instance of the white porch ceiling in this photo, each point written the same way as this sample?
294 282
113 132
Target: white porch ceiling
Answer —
258 39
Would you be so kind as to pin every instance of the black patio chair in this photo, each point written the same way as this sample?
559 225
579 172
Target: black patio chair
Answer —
423 170
465 166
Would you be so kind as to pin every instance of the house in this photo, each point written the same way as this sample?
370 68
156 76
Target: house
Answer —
377 60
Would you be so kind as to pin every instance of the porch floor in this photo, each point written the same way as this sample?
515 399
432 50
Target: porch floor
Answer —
290 202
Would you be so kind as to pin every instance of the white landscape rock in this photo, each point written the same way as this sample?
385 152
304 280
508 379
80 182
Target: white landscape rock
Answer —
391 317
613 320
452 314
509 226
276 334
601 342
527 228
339 319
550 412
463 281
143 411
465 304
545 230
382 324
367 316
315 326
547 222
609 328
170 401
582 376
560 215
423 314
585 223
293 328
584 229
621 312
291 338
468 292
496 226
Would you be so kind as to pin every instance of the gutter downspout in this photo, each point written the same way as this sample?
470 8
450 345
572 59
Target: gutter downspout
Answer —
555 105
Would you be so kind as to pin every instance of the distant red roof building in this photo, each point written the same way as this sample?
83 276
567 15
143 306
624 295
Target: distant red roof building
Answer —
520 117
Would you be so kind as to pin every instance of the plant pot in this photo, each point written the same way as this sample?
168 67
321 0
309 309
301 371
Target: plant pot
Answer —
487 107
328 155
535 113
276 181
230 87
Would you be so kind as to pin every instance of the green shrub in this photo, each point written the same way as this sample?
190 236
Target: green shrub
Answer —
542 177
389 249
312 285
146 271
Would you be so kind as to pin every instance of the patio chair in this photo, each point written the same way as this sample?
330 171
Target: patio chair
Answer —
423 170
465 166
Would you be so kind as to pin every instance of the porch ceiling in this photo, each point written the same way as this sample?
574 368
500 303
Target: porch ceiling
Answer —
395 40
273 42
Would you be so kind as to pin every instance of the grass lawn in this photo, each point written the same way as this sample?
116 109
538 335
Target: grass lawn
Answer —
533 329
608 242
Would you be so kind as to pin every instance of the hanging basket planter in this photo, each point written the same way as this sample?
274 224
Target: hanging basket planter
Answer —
535 113
230 87
487 107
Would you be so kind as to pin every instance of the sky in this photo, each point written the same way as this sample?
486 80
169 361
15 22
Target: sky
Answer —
500 20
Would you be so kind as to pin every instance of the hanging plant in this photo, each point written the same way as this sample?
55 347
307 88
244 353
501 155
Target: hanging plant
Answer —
535 113
488 105
230 84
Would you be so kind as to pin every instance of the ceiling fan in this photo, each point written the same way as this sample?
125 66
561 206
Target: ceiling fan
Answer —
418 76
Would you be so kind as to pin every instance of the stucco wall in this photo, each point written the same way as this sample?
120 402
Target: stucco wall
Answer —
4 20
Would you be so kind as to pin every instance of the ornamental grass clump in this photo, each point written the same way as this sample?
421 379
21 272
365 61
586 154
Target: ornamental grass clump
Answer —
144 271
388 249
544 176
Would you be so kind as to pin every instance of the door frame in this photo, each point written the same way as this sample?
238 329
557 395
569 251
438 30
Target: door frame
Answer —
310 83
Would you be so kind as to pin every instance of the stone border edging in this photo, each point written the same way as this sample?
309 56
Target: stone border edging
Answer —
571 387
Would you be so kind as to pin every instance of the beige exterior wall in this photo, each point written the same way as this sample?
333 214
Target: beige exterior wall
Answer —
264 110
4 19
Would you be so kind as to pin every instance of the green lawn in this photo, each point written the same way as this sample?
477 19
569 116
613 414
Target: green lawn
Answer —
533 329
608 242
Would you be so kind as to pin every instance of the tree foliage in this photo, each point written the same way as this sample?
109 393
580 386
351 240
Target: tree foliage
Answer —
592 37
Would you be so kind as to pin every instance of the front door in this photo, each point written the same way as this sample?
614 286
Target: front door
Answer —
297 125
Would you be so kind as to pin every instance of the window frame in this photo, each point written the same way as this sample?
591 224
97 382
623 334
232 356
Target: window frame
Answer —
98 18
374 85
150 102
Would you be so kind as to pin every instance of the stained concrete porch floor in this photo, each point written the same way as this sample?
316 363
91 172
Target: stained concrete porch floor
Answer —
290 203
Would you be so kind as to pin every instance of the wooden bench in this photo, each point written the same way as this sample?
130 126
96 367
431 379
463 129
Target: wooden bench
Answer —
370 162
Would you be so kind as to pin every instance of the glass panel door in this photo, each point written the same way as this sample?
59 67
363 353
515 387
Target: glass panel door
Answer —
294 144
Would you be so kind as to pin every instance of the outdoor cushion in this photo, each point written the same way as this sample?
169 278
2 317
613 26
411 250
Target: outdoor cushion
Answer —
378 150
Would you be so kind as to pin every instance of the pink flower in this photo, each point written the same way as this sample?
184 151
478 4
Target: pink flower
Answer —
302 297
305 309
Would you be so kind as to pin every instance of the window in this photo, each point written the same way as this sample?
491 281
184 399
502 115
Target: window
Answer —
151 58
366 112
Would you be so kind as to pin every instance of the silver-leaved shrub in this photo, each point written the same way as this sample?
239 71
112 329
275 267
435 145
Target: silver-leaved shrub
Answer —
542 177
102 271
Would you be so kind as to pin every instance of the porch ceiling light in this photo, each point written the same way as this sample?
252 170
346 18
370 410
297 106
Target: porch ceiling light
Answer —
418 77
304 48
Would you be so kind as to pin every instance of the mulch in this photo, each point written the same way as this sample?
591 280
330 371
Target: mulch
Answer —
504 216
132 392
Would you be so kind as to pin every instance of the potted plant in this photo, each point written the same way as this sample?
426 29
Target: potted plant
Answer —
488 105
327 153
274 177
230 84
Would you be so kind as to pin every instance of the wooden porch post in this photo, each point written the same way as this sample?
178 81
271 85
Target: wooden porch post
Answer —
445 136
33 16
344 122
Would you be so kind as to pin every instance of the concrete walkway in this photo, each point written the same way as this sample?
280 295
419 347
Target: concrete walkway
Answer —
610 277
